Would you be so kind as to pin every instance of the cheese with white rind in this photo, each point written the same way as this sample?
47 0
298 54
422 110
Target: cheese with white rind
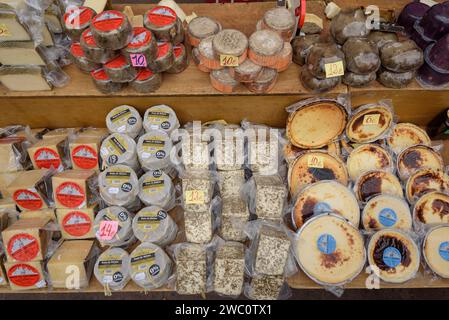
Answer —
165 58
230 42
112 269
93 51
120 70
146 81
154 150
119 148
12 29
119 185
156 188
264 82
181 61
24 78
111 29
265 43
160 117
124 119
20 53
201 27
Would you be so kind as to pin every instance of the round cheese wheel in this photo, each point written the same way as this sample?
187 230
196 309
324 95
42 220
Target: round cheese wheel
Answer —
223 81
230 42
93 51
264 82
111 29
119 185
196 57
119 148
153 224
113 226
154 150
103 83
143 43
264 47
79 59
124 119
120 70
165 58
248 71
76 20
112 268
165 24
156 188
181 61
200 28
160 117
280 20
206 54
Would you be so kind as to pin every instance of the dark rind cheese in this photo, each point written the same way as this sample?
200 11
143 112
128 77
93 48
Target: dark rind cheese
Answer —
165 58
264 46
111 30
358 80
142 42
76 20
248 71
147 81
395 80
200 28
230 42
119 70
103 83
181 61
165 24
92 51
317 85
223 81
301 46
264 82
79 59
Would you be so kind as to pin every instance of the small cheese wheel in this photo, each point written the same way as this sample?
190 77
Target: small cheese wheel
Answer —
160 117
200 28
248 71
92 51
230 42
147 81
264 47
119 185
79 59
223 81
165 58
124 221
181 61
196 57
76 20
111 29
164 23
143 43
112 268
280 20
156 188
124 119
119 148
264 82
153 150
206 54
120 70
103 83
284 58
153 224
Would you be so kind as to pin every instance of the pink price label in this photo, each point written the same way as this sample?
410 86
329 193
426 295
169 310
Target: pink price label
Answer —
138 60
108 229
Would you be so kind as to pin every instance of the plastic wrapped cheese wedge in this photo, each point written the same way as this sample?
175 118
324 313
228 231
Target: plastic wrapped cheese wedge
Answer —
154 149
153 224
160 117
112 269
124 119
119 148
150 266
156 188
112 226
119 185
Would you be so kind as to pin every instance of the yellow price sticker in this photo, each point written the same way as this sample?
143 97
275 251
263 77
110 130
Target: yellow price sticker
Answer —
371 119
315 162
195 197
334 69
227 60
4 31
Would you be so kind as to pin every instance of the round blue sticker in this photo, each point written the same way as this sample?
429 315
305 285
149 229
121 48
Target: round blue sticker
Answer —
321 207
387 217
326 243
444 250
392 257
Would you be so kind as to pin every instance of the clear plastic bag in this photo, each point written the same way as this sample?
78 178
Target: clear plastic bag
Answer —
436 251
200 226
112 270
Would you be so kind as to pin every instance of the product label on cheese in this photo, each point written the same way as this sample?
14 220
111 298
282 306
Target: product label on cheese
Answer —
4 31
75 18
28 199
113 147
143 262
161 16
70 195
314 161
150 220
141 37
227 60
158 119
89 38
77 223
23 275
153 185
138 60
162 49
371 119
178 51
108 20
334 69
195 197
46 158
144 74
153 148
85 157
110 266
76 50
122 116
23 247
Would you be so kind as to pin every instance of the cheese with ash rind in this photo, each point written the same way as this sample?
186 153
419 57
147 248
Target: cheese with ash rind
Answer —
120 70
111 29
93 51
76 20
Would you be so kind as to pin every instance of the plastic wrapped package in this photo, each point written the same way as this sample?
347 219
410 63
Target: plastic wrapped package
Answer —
26 275
154 150
431 75
375 182
395 80
13 154
223 81
264 82
143 43
146 81
247 71
436 250
358 80
181 61
119 70
386 211
393 255
197 191
229 269
80 60
330 251
424 181
165 58
104 226
401 56
124 119
280 20
263 287
301 46
435 21
76 20
195 154
228 149
264 47
111 29
324 197
153 224
206 54
430 209
347 24
112 269
321 54
230 182
362 56
411 13
50 153
201 27
367 157
284 58
160 117
230 42
164 24
405 135
150 267
417 157
118 185
103 83
234 216
371 122
199 225
191 268
93 51
380 38
75 189
156 188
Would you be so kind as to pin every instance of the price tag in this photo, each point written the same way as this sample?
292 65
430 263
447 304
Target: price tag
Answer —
315 162
334 69
371 119
195 197
138 60
4 31
108 230
227 60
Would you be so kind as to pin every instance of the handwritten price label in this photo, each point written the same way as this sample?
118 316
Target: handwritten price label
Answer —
334 69
138 60
371 119
227 60
315 162
107 231
4 31
195 197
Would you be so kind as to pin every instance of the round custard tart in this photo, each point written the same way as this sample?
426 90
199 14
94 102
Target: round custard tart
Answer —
386 211
314 166
432 208
369 123
330 250
405 135
316 124
324 197
424 181
418 157
436 250
368 157
394 254
373 183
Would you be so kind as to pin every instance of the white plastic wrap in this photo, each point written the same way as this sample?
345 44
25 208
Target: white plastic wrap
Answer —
119 148
156 188
124 119
104 226
154 150
118 185
160 117
112 269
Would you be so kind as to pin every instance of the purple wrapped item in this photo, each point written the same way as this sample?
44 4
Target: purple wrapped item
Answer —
435 22
439 53
430 75
411 13
418 36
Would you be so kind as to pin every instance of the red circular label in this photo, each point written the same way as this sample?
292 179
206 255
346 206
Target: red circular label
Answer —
161 16
23 275
23 247
162 49
108 20
88 38
178 50
116 63
77 223
70 195
141 37
76 50
85 157
28 199
99 74
144 74
78 17
45 158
